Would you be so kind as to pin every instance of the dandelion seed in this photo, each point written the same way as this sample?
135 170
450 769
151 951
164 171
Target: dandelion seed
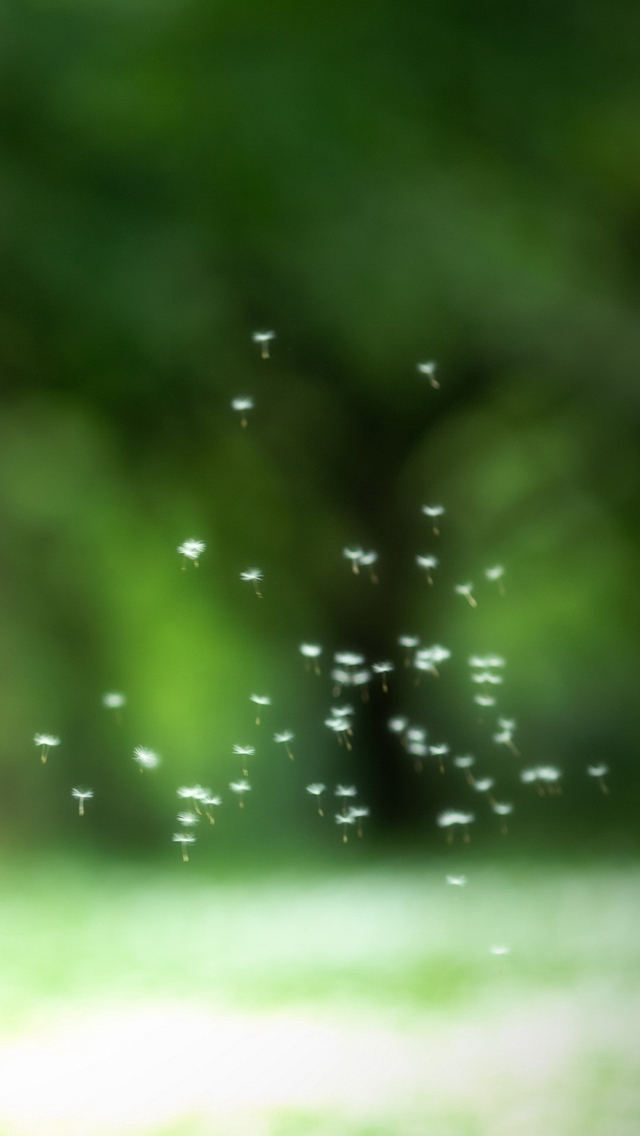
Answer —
456 881
259 700
499 949
348 659
46 742
191 550
82 795
428 564
466 590
311 651
416 734
283 738
244 752
263 339
546 776
497 574
504 736
341 728
362 678
358 813
485 785
487 677
502 810
397 725
465 762
453 818
428 658
383 669
344 819
354 555
240 787
242 406
188 819
185 839
193 793
368 560
418 751
439 751
484 700
341 711
253 575
429 369
209 803
113 700
409 642
345 791
317 789
434 512
145 758
599 771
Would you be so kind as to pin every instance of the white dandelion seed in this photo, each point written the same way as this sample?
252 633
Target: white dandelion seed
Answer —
193 793
345 791
456 881
484 700
487 678
384 669
397 725
145 758
82 795
185 839
409 642
434 512
242 406
316 789
454 818
344 819
496 574
353 554
240 787
439 751
46 742
188 819
358 813
466 590
429 369
191 550
342 728
499 949
485 785
428 564
283 738
210 802
599 771
348 659
263 339
252 576
465 761
428 658
502 809
369 560
113 700
418 751
259 700
311 652
244 752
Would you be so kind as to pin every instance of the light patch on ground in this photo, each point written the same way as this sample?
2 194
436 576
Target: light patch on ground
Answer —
151 1068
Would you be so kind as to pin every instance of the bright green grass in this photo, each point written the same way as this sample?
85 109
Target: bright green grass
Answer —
387 944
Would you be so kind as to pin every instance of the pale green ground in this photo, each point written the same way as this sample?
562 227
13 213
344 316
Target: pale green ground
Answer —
358 1002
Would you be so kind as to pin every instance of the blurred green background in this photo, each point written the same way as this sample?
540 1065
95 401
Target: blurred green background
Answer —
380 184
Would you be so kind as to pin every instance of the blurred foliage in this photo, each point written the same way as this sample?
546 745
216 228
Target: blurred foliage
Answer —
380 185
